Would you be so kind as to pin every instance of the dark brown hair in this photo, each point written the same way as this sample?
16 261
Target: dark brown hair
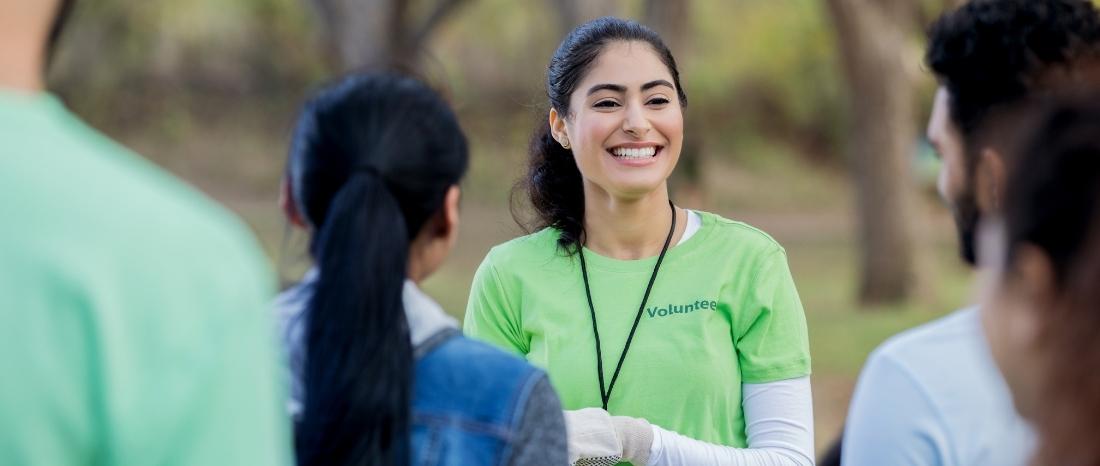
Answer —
1053 203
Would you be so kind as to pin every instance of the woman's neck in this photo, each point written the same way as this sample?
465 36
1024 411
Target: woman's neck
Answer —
629 229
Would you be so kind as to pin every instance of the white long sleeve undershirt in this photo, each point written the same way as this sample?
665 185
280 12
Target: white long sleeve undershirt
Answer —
778 423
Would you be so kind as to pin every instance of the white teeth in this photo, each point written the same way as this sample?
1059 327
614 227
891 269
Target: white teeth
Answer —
637 153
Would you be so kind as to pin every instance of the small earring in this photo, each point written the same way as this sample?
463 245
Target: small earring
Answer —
565 144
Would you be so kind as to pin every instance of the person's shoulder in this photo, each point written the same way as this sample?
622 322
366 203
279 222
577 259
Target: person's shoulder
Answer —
733 233
947 333
180 216
473 379
290 308
937 354
523 250
105 189
116 201
479 363
487 353
942 376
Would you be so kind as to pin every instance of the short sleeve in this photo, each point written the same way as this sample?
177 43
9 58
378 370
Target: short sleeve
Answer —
490 316
770 334
891 420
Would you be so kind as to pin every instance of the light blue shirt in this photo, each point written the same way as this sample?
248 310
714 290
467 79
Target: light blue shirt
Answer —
933 396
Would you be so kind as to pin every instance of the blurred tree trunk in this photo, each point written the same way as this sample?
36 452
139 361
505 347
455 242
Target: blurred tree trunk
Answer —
572 13
872 37
380 33
671 19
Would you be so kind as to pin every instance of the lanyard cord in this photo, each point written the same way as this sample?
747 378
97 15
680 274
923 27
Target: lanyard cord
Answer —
605 396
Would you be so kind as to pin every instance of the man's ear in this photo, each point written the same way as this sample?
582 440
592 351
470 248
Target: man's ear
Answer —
990 179
289 205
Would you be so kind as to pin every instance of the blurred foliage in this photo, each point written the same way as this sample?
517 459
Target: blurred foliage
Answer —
772 71
758 72
762 76
126 55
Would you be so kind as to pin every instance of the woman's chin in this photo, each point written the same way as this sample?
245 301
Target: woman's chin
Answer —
636 189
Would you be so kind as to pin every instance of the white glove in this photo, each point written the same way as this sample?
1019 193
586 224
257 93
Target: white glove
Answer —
592 438
636 436
597 438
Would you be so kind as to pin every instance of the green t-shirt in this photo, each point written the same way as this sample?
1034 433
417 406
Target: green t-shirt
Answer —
723 311
134 324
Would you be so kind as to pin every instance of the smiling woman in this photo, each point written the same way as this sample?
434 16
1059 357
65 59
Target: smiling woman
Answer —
729 386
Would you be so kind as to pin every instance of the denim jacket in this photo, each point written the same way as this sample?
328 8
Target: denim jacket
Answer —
469 399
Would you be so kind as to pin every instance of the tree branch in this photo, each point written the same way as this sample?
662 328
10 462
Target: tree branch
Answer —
443 9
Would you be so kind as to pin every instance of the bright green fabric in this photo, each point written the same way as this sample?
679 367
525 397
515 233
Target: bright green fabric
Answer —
133 311
723 311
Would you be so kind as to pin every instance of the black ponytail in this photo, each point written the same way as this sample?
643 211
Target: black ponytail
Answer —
553 183
372 159
357 388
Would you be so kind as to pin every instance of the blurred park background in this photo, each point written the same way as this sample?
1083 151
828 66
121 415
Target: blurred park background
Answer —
805 119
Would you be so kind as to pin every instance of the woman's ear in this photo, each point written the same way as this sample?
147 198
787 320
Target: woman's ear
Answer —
557 128
450 213
289 205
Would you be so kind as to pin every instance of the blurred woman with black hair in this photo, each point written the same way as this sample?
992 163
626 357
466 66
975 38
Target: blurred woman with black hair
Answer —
1041 299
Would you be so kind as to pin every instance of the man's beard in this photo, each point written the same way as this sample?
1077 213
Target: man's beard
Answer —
966 213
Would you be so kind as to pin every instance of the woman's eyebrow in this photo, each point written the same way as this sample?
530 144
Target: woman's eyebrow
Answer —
660 82
622 89
609 87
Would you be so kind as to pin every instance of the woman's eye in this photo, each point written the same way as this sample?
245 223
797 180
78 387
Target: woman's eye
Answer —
658 101
606 104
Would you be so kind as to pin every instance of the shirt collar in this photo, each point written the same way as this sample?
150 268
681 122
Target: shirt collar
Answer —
425 316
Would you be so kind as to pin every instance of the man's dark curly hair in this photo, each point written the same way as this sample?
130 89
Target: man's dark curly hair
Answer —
990 53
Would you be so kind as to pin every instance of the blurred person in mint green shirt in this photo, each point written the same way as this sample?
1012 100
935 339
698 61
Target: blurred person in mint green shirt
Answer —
133 323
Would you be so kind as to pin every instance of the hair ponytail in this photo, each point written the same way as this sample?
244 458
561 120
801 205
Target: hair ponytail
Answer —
357 394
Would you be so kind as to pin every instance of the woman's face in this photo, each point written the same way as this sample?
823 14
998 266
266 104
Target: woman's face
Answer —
1013 296
626 125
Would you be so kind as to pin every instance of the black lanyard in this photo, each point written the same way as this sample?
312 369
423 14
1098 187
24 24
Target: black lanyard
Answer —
605 395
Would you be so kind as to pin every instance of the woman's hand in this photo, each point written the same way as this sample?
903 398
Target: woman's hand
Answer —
592 438
596 438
